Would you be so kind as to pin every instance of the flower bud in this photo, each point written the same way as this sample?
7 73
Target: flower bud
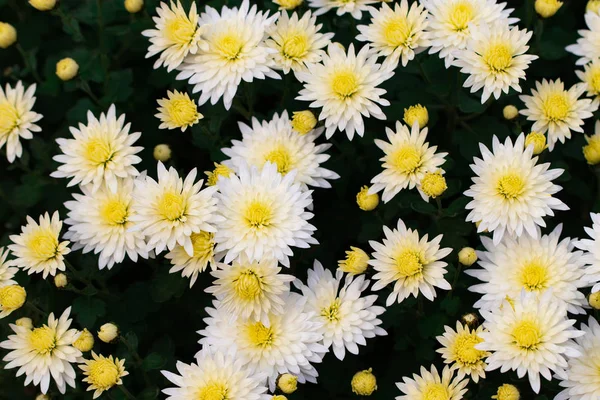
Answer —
356 261
12 297
162 152
364 383
288 4
547 8
366 201
591 151
67 69
8 35
303 121
416 113
287 383
108 332
467 256
60 280
594 300
510 112
85 341
507 392
433 184
43 5
24 322
219 171
538 140
134 6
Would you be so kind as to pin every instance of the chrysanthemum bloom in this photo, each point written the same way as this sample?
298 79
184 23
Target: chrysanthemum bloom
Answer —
396 33
12 297
177 111
416 114
556 110
588 45
347 319
531 335
102 373
101 222
17 120
511 193
275 141
170 210
38 249
537 141
262 214
495 59
406 161
7 269
352 7
459 351
297 42
364 383
583 372
177 34
411 263
221 170
544 264
251 289
236 51
290 342
451 23
44 353
432 185
99 153
85 341
431 386
345 85
215 375
356 261
591 248
591 77
204 255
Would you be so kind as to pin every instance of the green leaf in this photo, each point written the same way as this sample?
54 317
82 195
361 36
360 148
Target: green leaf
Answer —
150 393
451 305
88 309
132 339
423 207
153 361
469 104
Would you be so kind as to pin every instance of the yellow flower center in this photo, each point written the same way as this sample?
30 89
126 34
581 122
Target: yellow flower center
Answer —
258 215
498 57
464 348
409 263
407 159
260 336
345 83
220 170
203 245
172 206
9 118
396 31
527 335
103 373
510 186
248 285
593 81
43 339
213 391
43 244
180 30
229 46
295 46
98 152
534 276
114 212
435 391
282 157
556 106
332 313
182 111
461 14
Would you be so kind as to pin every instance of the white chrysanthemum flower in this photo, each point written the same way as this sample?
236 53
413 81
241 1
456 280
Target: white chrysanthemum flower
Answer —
347 318
352 7
177 34
215 375
459 351
297 42
275 141
236 51
397 33
204 255
102 373
451 23
556 110
289 343
583 372
101 222
590 76
431 386
262 214
17 120
511 193
345 85
588 45
531 335
591 256
410 262
535 265
38 249
99 153
7 269
406 161
170 210
495 59
44 353
251 289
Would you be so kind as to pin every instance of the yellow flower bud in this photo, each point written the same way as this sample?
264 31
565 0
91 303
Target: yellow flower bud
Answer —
538 140
162 152
108 332
593 6
467 256
591 151
12 298
134 6
279 397
547 8
364 383
416 113
288 4
356 261
594 300
85 341
219 171
287 383
67 69
42 396
510 112
366 201
24 322
507 392
43 5
433 184
60 281
470 319
303 121
8 35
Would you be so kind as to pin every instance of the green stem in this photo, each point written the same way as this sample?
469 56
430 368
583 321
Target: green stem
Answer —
138 360
86 88
36 309
438 201
28 65
126 392
455 281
